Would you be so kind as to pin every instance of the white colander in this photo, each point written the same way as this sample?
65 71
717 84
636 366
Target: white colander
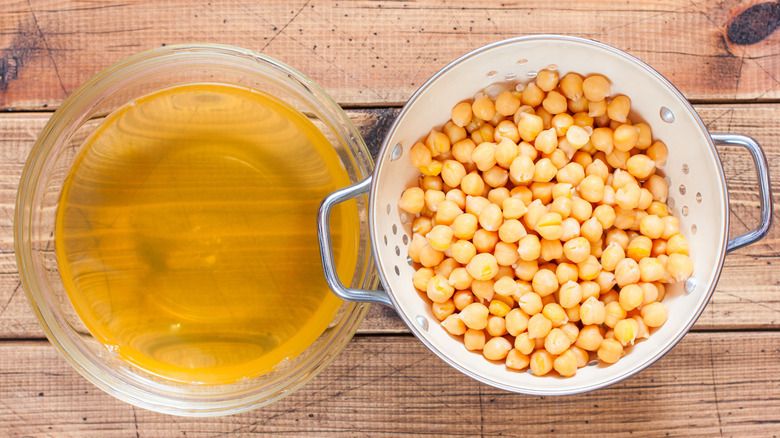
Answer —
697 187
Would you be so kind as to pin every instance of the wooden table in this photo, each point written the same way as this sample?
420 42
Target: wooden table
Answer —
722 379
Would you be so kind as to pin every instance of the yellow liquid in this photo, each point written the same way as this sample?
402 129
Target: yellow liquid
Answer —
186 233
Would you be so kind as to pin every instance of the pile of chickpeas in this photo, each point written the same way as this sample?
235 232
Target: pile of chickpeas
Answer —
541 234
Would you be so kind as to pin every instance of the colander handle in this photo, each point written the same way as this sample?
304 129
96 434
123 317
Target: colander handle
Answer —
764 188
326 247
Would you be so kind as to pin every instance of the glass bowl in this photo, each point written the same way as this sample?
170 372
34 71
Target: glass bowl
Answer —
39 193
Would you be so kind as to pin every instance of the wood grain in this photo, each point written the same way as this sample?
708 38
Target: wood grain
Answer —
747 296
374 53
710 384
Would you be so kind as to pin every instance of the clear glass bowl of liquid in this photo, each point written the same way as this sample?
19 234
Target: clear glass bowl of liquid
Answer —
165 229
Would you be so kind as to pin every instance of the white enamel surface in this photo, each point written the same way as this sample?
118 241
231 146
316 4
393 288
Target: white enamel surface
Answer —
688 143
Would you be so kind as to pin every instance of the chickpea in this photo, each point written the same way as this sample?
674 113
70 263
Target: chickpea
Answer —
546 141
610 351
496 176
592 311
538 326
547 80
475 204
506 253
474 339
549 226
679 266
541 362
677 245
627 272
627 197
464 226
614 312
439 289
544 282
525 270
443 310
483 107
454 325
421 277
522 170
506 152
430 257
654 314
460 280
577 250
422 225
482 266
589 269
554 103
454 132
484 155
570 229
440 237
618 108
645 136
496 348
650 269
529 126
641 166
556 342
639 248
412 200
658 153
571 86
513 208
461 114
570 294
599 110
516 360
506 130
438 143
606 216
551 249
530 303
671 227
507 103
491 217
484 240
529 247
483 289
658 187
462 151
631 297
595 87
532 95
415 247
446 267
452 172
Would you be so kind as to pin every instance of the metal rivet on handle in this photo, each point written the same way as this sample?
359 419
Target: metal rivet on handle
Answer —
398 150
690 285
667 115
422 322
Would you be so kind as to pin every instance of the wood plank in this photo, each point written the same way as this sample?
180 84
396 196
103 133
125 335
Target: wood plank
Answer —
711 384
375 52
747 296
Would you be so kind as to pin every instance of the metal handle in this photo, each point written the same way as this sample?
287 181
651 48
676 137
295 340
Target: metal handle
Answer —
326 250
764 188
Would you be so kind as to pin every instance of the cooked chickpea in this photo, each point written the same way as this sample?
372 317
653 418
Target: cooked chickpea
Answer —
639 248
591 188
507 103
454 325
611 255
546 141
570 229
619 108
443 310
677 245
627 272
422 225
462 151
556 342
506 152
627 197
484 155
610 351
430 257
631 297
606 216
483 107
577 250
460 280
658 187
529 126
589 338
530 303
421 277
454 132
464 226
463 251
412 200
440 237
484 240
554 103
571 86
671 227
595 87
549 226
650 269
491 217
461 114
506 253
679 266
658 153
538 326
482 266
547 80
544 282
532 95
551 249
654 314
474 339
592 311
516 360
496 348
570 294
541 362
529 247
496 176
439 289
452 172
640 166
